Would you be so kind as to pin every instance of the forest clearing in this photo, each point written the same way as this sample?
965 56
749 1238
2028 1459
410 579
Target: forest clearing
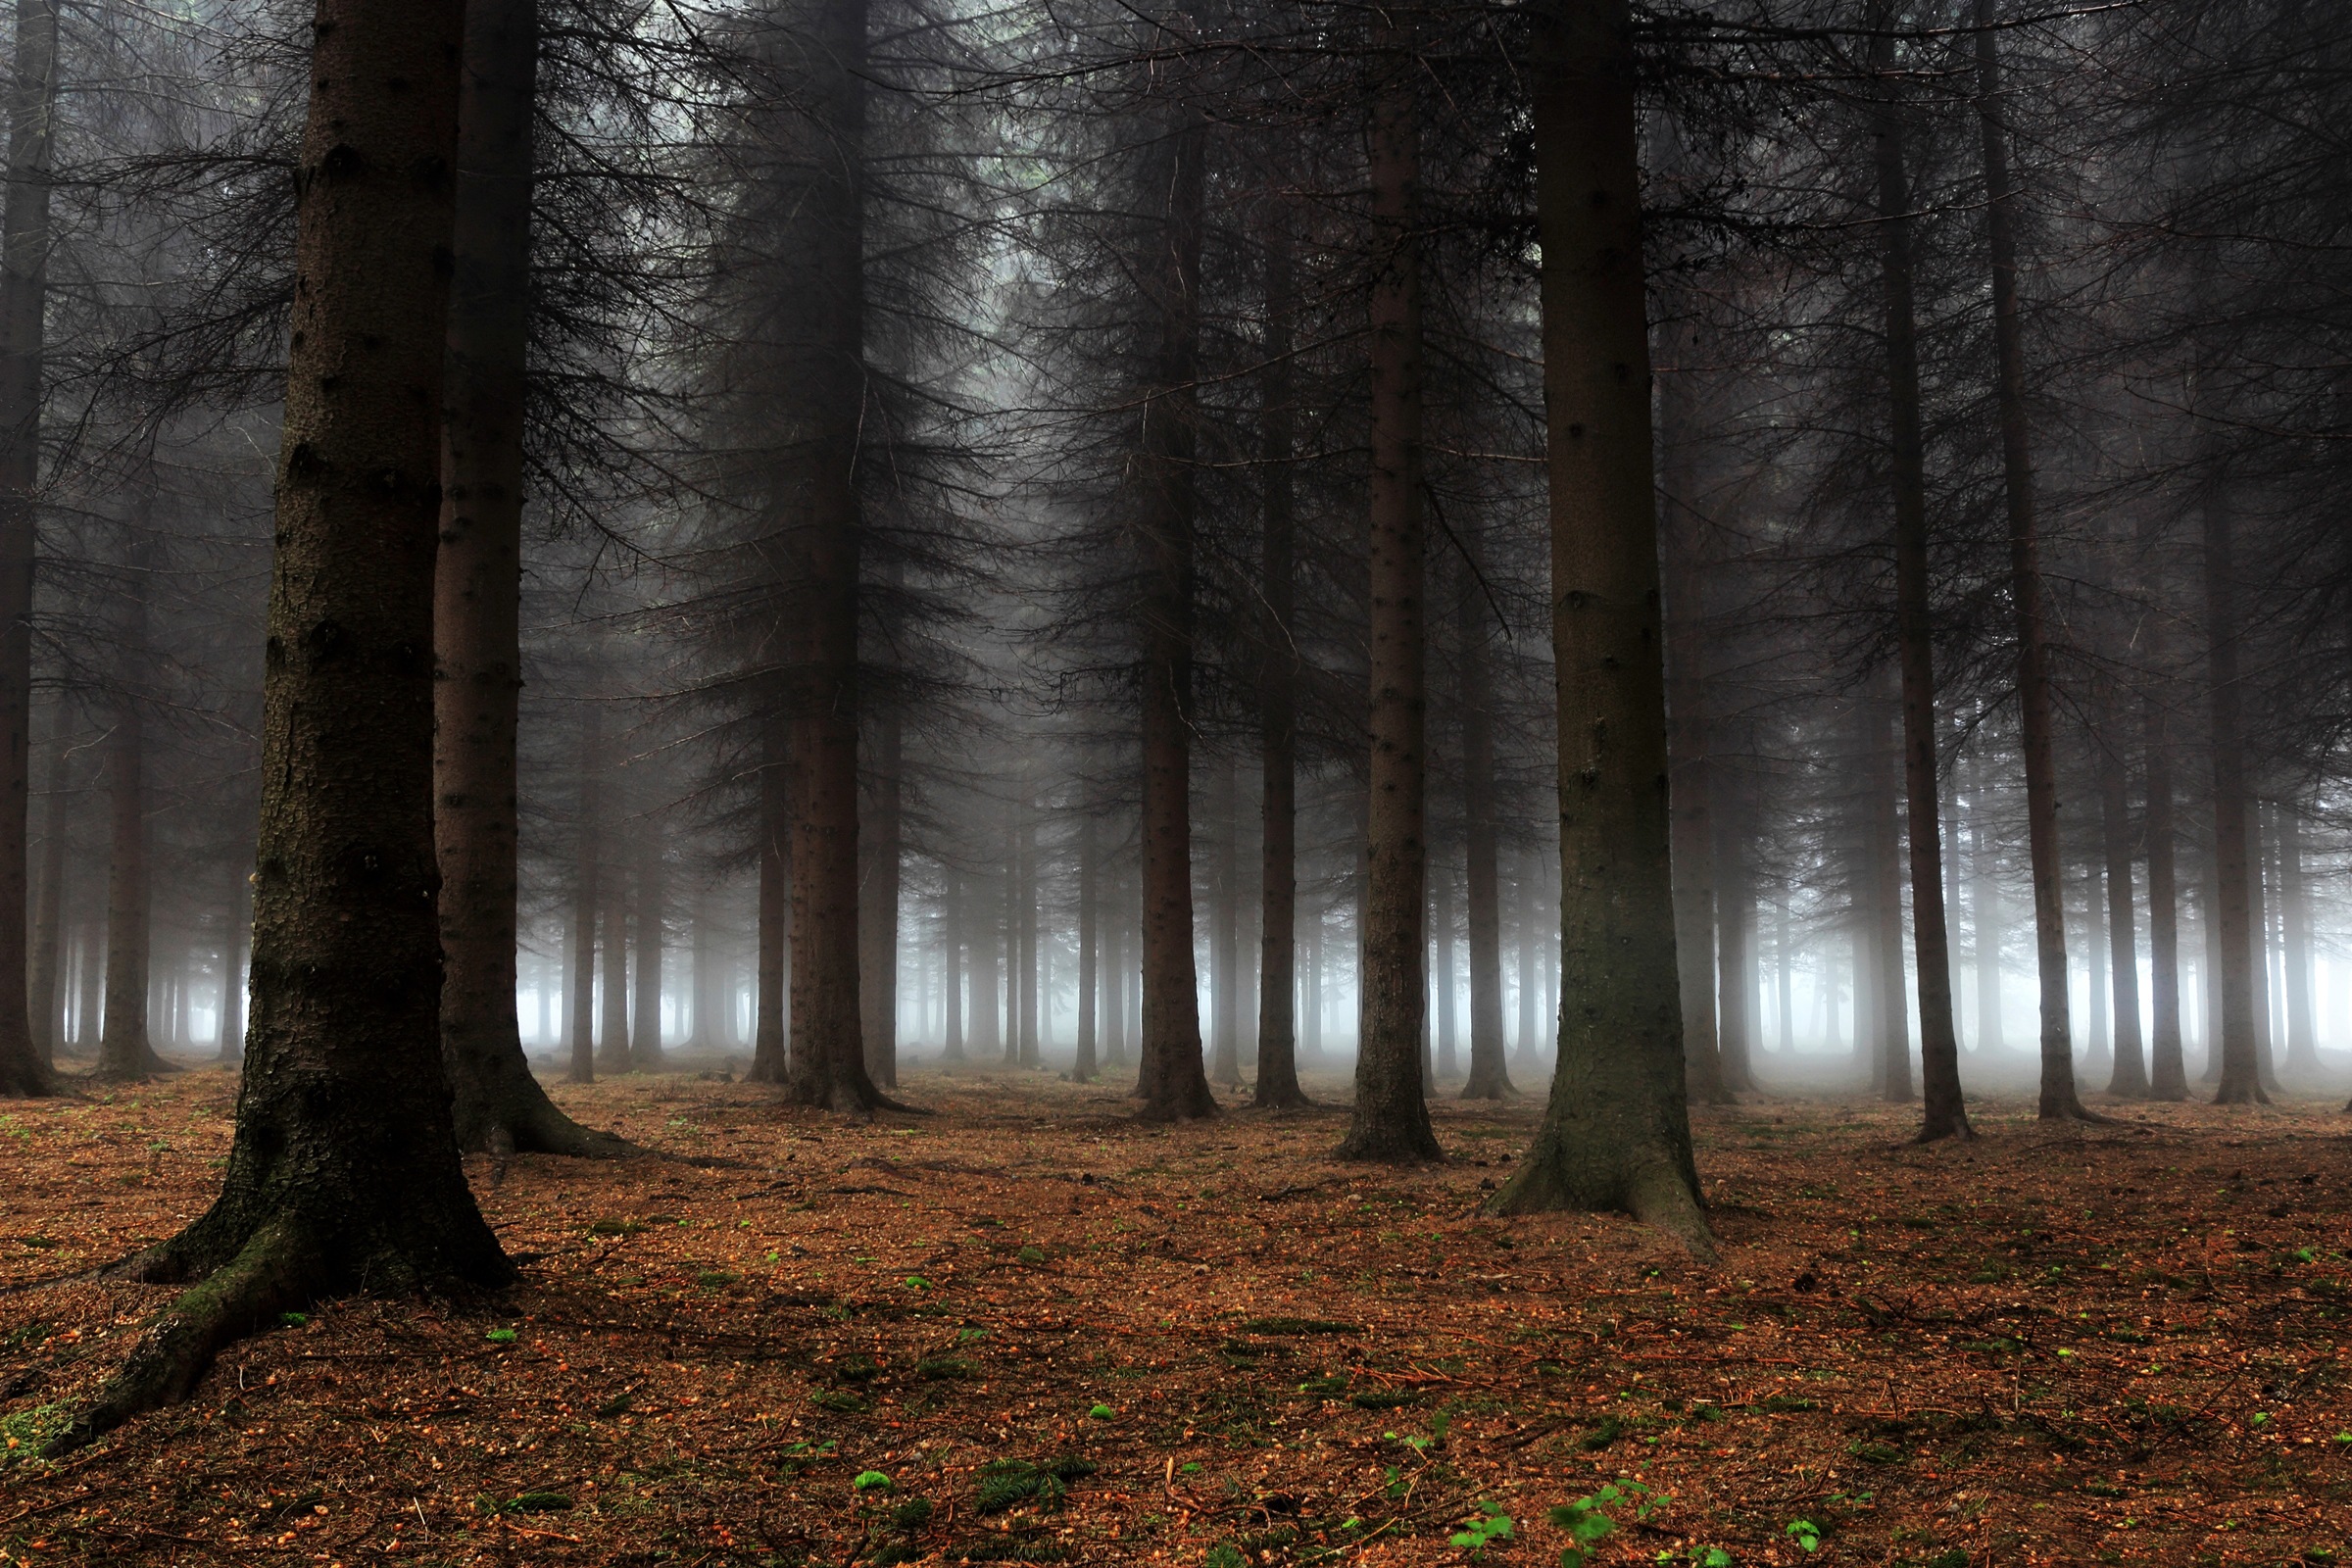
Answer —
2089 1345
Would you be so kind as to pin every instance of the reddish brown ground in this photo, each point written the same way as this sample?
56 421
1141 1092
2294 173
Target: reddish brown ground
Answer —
2114 1346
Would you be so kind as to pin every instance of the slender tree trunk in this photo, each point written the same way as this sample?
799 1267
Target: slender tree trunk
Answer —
1893 1022
1736 905
2168 1074
1172 1080
1991 926
1278 711
1082 1068
2131 1079
1443 978
2229 908
1224 931
343 1173
90 981
650 916
1490 1072
589 828
477 649
2302 1037
1390 1116
951 958
2058 1101
1616 1132
123 1049
775 912
1526 1054
878 907
48 921
23 301
2262 889
1687 735
238 922
612 965
1014 915
1023 911
1118 964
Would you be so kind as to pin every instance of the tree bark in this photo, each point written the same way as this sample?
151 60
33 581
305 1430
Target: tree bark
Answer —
1083 1067
1390 1116
1172 1080
125 1052
48 921
950 960
24 303
2168 1072
2058 1099
589 828
236 923
1616 1132
1224 928
612 962
343 1173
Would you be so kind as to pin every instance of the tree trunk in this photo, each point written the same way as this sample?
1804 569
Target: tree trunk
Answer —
645 1012
48 922
2131 1079
1278 699
612 965
1172 1080
1442 976
1616 1133
1116 964
878 908
2302 1038
478 648
24 297
232 974
343 1173
1892 1024
1526 1053
1390 1116
1083 1067
775 910
123 1051
1021 911
1735 906
1224 929
1687 738
2058 1099
2229 908
589 826
950 960
2262 889
2168 1072
1490 1072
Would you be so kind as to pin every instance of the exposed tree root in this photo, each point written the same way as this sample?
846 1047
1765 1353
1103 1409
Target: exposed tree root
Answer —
1956 1128
277 1270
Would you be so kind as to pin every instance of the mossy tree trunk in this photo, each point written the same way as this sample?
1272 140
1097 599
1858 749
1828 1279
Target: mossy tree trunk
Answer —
1616 1131
343 1173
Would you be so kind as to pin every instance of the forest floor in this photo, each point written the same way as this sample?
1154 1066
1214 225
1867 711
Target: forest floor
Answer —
1027 1330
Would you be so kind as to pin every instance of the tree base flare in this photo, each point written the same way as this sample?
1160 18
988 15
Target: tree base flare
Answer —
1391 1145
1652 1191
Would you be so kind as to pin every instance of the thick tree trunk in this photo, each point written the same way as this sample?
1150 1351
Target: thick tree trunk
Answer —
343 1174
1170 1081
1616 1132
48 920
1490 1072
649 918
878 907
2131 1078
24 297
589 829
775 910
2058 1099
1390 1116
477 649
